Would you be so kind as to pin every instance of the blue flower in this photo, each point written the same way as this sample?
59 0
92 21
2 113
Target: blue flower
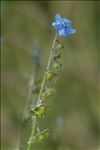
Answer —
63 26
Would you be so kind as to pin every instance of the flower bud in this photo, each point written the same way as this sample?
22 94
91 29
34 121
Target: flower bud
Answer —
51 75
48 92
59 46
56 66
40 110
42 136
56 56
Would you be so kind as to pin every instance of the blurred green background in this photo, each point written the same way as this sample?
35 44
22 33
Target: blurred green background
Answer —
73 118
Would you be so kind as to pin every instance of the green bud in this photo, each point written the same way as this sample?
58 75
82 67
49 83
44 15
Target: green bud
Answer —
46 133
51 75
40 110
59 46
57 56
42 136
56 66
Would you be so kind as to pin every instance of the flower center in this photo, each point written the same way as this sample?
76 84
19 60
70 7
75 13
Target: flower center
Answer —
64 25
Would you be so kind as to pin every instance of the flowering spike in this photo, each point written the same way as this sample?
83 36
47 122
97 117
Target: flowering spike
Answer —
64 28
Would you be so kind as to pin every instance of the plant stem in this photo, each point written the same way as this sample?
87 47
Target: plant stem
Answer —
32 133
48 65
42 86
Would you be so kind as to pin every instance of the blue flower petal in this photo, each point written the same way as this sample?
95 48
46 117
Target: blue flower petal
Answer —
62 32
58 18
68 22
71 31
56 25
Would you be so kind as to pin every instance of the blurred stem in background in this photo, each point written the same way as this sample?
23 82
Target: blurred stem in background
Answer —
32 85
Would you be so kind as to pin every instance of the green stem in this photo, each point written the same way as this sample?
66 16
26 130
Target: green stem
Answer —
42 86
48 65
32 133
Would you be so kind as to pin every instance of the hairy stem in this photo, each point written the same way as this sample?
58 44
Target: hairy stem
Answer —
41 89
